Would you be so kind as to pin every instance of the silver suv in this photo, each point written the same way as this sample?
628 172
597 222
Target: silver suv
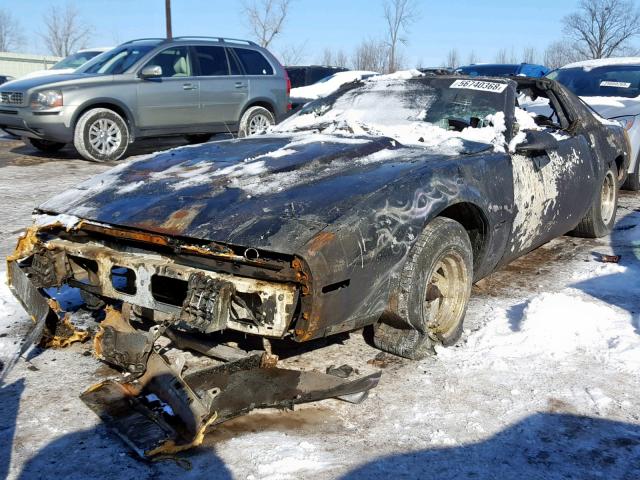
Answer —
189 86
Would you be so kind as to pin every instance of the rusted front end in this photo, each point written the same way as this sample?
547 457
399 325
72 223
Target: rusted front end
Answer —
202 287
155 297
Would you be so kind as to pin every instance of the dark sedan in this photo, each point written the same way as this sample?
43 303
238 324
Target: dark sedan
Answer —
378 205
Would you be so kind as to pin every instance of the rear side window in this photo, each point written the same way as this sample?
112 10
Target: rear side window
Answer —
212 60
253 62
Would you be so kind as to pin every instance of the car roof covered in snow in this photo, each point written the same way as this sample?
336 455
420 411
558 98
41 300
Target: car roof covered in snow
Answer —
604 62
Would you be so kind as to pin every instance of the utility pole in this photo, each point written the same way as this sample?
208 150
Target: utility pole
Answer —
167 9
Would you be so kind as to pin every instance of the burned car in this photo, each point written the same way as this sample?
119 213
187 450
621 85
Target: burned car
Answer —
378 205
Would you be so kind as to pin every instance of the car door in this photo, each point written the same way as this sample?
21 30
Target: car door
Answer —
223 88
172 100
553 188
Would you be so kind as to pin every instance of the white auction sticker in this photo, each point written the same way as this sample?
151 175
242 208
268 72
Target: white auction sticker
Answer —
479 85
606 83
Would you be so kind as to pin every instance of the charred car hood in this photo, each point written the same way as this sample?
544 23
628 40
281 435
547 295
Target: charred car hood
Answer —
272 192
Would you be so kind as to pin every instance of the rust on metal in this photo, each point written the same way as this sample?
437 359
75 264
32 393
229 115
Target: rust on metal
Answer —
319 241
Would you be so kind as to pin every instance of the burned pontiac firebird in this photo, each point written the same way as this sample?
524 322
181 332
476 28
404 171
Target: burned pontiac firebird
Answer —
378 205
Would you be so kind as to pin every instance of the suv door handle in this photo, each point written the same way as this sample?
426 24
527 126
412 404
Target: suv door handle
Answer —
189 86
240 85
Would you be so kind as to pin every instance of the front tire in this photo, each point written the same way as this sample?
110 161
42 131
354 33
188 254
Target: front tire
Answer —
434 290
101 135
46 146
254 121
601 217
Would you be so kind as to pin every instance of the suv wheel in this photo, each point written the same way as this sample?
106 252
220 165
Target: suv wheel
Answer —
255 120
101 135
46 145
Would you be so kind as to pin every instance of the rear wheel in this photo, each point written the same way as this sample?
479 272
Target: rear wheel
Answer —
254 121
198 138
101 135
46 145
601 217
435 287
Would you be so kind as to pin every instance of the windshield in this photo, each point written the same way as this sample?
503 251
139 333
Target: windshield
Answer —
74 61
422 110
489 70
608 81
116 61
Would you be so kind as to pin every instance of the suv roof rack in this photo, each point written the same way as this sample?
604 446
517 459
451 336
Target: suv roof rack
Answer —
143 39
218 39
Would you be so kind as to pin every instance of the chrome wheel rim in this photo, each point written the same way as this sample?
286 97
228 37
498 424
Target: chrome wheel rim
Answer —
445 295
608 198
105 136
258 124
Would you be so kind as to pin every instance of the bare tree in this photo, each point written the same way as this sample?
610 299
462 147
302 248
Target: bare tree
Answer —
371 55
10 32
398 15
293 54
602 28
504 56
530 55
473 58
65 31
501 56
334 59
453 59
341 60
561 53
266 18
327 57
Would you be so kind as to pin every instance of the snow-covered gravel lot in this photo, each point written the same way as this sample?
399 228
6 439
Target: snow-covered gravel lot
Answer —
544 385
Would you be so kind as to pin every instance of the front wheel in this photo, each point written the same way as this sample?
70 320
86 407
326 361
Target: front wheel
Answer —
46 146
254 121
434 290
601 217
101 135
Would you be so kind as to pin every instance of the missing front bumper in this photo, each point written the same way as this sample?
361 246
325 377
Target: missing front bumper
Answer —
163 412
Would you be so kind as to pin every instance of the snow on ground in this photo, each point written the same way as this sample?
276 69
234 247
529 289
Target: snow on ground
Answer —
543 385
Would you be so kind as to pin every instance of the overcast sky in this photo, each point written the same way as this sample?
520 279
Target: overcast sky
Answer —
484 26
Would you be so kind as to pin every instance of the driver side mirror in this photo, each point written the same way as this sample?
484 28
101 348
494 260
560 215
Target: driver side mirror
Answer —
151 71
537 142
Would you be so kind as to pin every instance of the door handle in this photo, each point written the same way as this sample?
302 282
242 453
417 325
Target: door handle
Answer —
240 84
189 86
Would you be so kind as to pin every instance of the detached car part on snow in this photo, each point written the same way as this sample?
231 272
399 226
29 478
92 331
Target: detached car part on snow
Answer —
378 205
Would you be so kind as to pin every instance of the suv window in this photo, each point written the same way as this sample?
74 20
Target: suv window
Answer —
233 63
253 62
175 62
212 60
116 61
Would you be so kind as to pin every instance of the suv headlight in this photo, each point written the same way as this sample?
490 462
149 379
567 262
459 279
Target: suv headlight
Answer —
47 99
626 122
